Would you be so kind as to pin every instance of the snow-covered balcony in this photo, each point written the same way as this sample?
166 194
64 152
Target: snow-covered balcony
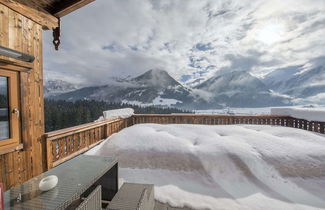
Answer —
224 166
211 161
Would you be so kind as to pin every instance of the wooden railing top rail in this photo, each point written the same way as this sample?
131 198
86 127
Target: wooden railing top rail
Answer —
211 115
76 129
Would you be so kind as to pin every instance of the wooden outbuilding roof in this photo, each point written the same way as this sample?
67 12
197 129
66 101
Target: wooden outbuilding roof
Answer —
45 12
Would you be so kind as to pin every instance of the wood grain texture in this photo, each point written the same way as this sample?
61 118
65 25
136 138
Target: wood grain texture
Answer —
43 18
57 8
65 144
22 34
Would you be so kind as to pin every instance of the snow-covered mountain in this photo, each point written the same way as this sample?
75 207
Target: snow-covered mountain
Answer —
157 87
240 89
154 87
304 84
156 78
57 87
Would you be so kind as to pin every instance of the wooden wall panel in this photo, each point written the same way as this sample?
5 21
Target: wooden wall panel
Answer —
19 33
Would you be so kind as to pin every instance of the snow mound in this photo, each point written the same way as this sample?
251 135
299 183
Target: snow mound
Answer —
311 114
224 166
116 113
165 101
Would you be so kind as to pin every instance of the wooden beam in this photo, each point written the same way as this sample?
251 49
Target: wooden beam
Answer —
63 8
11 149
77 129
12 67
47 21
15 65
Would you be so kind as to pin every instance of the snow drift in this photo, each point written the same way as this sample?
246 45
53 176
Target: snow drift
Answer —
116 113
311 114
225 166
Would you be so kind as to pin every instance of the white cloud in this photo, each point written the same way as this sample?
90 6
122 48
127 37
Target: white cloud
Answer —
186 37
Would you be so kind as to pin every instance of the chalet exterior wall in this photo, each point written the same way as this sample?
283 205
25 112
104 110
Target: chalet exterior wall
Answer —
22 34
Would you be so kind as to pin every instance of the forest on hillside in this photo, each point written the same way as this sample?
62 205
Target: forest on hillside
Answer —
63 114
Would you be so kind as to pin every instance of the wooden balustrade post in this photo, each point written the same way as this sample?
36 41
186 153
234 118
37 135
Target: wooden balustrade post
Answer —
305 124
106 130
299 123
311 126
322 127
317 129
289 122
49 153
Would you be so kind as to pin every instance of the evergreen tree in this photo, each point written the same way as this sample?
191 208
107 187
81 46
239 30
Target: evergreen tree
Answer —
63 114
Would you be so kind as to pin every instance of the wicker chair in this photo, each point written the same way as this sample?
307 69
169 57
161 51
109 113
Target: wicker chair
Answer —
93 201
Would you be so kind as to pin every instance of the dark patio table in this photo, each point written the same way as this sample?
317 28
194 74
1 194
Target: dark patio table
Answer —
77 178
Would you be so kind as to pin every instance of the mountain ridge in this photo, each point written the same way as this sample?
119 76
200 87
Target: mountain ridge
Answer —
57 86
240 89
157 87
303 84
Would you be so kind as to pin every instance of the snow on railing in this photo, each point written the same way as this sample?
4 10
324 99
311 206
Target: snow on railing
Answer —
116 113
311 114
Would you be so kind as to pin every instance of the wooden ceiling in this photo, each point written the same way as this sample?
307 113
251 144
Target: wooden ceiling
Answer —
57 8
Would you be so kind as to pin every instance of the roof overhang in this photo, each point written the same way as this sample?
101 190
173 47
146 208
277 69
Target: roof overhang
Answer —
45 12
64 7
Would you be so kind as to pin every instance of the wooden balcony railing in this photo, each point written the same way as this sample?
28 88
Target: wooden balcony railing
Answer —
230 119
62 145
67 143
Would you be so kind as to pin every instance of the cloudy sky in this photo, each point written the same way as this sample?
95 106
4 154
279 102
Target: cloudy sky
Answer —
191 39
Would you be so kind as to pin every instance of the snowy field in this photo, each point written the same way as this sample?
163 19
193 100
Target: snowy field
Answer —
315 114
258 111
236 111
224 166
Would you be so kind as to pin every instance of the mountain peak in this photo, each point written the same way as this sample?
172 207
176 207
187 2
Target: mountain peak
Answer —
156 77
156 73
58 86
239 80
